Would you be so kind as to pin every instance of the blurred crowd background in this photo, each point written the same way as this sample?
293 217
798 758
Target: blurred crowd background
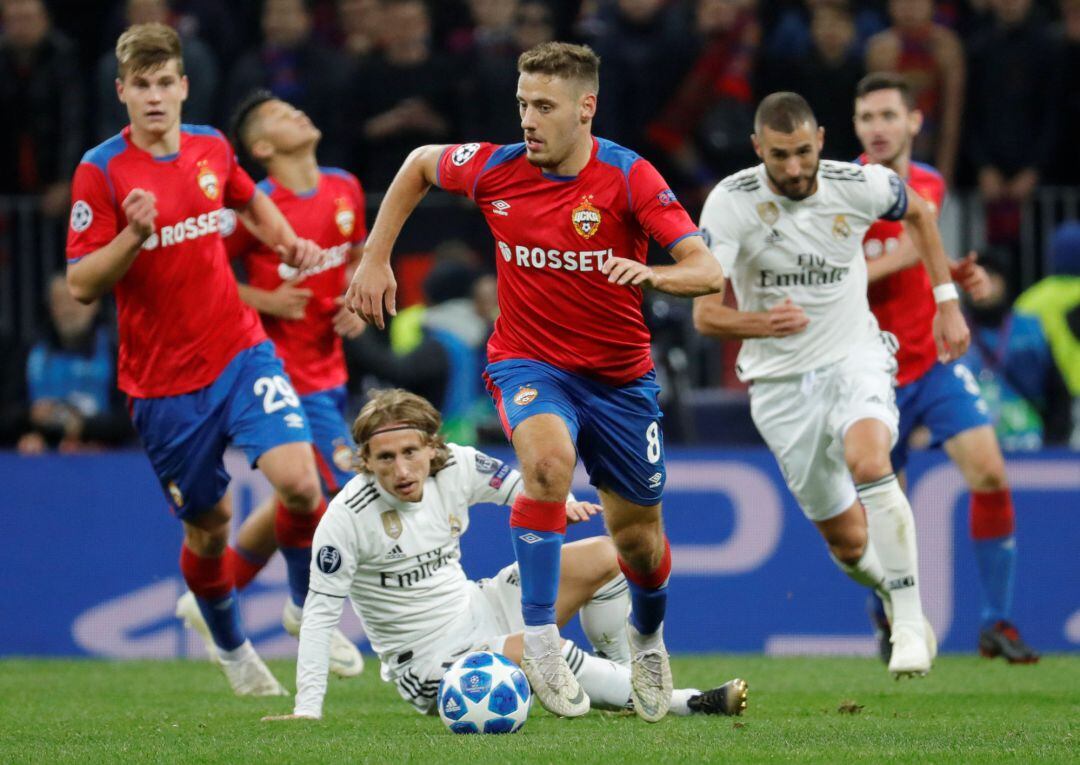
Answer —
998 82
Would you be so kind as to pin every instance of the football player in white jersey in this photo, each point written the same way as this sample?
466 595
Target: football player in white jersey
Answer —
389 542
788 233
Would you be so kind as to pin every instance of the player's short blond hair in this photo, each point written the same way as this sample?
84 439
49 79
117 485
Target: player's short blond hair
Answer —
145 47
394 407
558 59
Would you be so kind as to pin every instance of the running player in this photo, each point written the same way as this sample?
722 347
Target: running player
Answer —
942 397
149 208
303 314
390 543
569 365
789 233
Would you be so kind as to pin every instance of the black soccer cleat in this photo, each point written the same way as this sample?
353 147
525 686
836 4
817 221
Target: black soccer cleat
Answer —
1003 639
875 609
729 699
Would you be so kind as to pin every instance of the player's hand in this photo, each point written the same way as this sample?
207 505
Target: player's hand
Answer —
581 511
346 323
140 209
302 254
279 718
951 333
373 287
785 319
287 301
971 277
623 271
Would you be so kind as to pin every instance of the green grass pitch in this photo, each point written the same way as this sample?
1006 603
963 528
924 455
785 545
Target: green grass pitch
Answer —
828 710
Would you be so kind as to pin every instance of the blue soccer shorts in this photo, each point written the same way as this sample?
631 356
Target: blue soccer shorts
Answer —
945 400
251 405
334 446
617 429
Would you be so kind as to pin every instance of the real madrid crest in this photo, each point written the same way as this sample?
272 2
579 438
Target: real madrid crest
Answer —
525 396
586 218
455 526
840 227
391 523
768 212
176 494
208 181
345 217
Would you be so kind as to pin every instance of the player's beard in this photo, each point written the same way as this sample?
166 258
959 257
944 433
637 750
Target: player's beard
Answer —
811 179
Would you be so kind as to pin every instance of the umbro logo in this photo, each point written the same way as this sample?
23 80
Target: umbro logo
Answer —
294 420
655 479
499 207
530 538
396 554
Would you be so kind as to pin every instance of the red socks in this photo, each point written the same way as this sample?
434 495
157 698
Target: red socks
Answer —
538 516
209 578
296 529
991 514
654 579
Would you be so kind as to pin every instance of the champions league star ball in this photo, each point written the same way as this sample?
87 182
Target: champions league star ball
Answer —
484 692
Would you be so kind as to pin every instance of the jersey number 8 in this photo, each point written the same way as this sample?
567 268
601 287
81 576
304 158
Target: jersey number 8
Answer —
652 438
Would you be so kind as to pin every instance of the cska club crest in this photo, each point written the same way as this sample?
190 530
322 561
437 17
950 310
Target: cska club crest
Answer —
208 181
586 218
391 523
525 395
345 217
841 229
343 456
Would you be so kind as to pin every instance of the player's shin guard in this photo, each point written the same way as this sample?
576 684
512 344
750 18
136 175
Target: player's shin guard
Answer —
537 530
606 683
246 565
210 581
892 533
603 619
648 593
294 532
992 525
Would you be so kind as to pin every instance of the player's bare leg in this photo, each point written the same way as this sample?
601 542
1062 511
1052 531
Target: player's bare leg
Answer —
891 534
645 560
978 456
538 524
204 563
588 566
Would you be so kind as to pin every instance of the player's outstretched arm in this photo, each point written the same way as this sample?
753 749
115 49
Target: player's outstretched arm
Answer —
93 275
373 287
950 330
321 615
714 319
265 221
696 272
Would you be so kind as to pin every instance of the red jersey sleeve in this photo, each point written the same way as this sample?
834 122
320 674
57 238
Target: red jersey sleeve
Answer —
460 167
359 233
93 212
656 208
239 188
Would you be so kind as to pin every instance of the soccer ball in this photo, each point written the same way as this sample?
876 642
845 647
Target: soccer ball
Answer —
484 692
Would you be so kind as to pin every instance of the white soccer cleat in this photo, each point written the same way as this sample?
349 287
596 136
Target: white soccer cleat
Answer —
187 609
247 673
650 677
345 658
554 684
911 655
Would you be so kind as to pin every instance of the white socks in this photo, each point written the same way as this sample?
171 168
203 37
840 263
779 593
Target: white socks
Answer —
867 570
892 532
608 684
604 621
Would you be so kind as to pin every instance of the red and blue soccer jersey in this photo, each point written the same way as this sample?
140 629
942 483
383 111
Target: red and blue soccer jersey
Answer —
904 302
332 216
552 235
181 318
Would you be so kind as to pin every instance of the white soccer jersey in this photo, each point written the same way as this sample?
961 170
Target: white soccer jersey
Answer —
773 248
398 562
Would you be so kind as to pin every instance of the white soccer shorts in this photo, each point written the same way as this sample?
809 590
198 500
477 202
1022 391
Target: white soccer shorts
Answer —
804 418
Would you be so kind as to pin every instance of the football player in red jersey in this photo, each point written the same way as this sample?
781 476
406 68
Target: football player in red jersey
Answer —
149 207
303 313
569 364
943 397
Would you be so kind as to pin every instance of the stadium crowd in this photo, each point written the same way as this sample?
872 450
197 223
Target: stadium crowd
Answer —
997 82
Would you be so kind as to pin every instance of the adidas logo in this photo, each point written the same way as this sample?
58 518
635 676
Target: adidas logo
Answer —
396 553
773 237
452 706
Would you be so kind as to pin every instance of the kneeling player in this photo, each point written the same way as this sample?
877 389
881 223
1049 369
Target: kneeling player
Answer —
389 543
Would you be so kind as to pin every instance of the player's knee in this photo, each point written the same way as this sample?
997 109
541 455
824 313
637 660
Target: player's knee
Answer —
847 545
640 547
988 474
869 467
299 491
550 475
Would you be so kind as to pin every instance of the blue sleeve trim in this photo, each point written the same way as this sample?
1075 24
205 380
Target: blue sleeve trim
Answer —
930 169
438 167
266 186
498 157
101 155
897 211
76 260
337 172
202 130
611 153
685 236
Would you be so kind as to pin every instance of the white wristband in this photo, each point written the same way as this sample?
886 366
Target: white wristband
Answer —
945 292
